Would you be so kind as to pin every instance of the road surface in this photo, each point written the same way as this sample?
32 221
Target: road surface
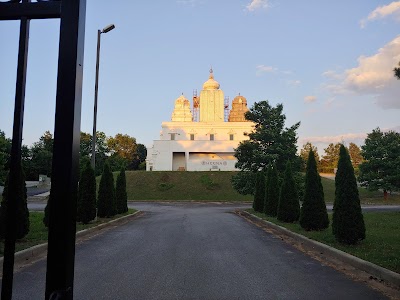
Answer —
194 251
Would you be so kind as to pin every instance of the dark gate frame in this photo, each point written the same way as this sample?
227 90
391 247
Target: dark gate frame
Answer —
65 167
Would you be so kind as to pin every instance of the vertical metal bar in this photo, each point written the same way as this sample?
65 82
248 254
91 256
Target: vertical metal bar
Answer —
96 89
62 208
15 162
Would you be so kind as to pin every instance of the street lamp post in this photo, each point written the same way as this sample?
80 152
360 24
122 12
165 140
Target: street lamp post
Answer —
96 87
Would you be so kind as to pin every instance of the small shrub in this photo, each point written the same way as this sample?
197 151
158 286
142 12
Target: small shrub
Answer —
209 183
165 186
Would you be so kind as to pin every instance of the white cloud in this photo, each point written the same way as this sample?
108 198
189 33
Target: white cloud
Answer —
264 69
294 82
383 11
257 4
187 2
346 137
310 99
374 76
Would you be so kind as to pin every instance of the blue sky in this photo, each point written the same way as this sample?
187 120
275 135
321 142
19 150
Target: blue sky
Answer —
328 62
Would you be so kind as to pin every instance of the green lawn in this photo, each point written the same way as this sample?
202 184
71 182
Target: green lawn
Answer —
38 232
382 243
366 197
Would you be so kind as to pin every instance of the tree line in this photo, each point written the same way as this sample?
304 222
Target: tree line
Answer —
269 164
376 163
121 150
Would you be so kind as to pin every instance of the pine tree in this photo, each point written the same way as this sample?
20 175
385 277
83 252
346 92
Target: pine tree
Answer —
273 193
121 196
289 206
106 196
347 223
22 212
313 214
259 192
86 206
266 194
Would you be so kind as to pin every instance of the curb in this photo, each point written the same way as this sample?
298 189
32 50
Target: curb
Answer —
37 251
375 270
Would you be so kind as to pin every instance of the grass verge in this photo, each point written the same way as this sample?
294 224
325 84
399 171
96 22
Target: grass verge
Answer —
366 196
38 232
381 246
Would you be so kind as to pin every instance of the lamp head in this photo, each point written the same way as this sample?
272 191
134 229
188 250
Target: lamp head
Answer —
108 28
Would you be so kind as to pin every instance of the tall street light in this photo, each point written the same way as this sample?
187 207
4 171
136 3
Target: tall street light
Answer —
96 87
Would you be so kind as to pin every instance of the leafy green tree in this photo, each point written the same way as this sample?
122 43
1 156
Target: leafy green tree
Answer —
330 159
313 214
272 199
355 155
347 222
288 206
396 72
307 147
37 159
270 142
5 149
244 182
120 193
20 198
381 168
106 195
123 146
259 194
139 158
85 145
86 208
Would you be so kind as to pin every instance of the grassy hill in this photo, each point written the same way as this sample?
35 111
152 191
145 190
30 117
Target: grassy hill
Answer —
213 186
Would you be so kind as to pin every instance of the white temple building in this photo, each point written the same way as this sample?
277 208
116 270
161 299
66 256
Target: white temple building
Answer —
186 144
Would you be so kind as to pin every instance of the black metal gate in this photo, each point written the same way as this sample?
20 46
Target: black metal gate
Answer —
62 224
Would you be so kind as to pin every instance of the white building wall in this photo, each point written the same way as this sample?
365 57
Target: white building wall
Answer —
201 154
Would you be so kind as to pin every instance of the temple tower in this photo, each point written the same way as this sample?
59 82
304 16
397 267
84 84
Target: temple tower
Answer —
182 111
211 101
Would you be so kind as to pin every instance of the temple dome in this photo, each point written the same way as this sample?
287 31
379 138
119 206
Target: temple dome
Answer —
239 108
211 83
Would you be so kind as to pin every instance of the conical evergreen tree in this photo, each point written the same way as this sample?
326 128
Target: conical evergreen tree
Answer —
347 222
121 196
313 214
266 196
86 206
271 208
106 196
22 212
289 206
259 192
